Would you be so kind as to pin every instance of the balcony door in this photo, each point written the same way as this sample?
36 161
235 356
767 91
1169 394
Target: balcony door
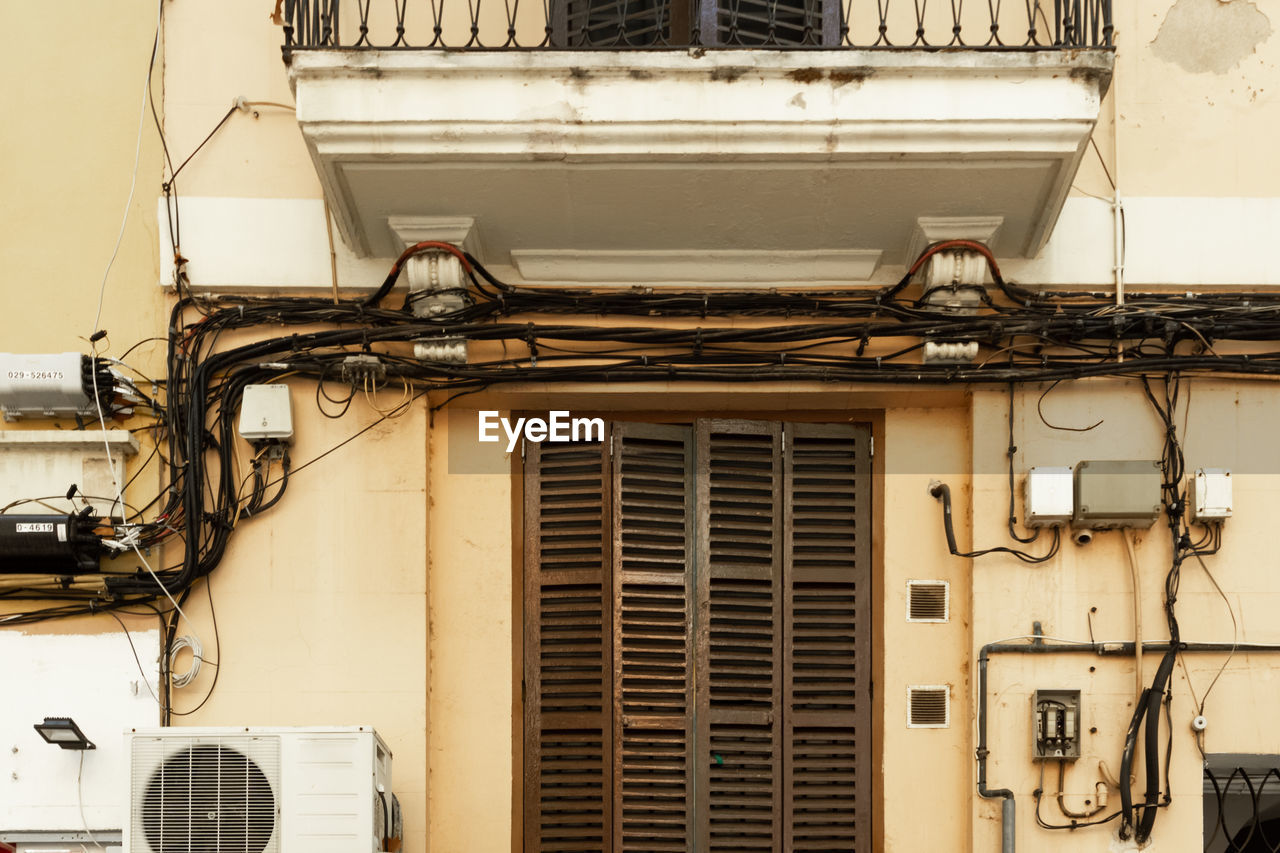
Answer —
680 23
697 623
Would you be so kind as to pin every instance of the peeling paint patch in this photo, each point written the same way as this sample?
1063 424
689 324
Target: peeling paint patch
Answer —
1210 36
729 73
806 75
843 77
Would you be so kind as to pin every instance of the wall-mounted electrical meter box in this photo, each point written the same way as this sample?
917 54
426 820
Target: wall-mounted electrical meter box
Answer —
1116 493
1210 495
266 414
1055 725
1047 493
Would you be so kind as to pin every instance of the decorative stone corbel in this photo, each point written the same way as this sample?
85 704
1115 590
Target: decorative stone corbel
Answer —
436 280
953 279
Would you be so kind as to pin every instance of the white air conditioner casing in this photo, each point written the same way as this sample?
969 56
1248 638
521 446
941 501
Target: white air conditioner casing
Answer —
257 790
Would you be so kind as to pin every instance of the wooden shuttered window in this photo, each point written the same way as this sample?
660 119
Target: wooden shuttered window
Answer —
696 643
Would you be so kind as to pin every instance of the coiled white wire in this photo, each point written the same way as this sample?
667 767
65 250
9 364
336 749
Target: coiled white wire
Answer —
185 642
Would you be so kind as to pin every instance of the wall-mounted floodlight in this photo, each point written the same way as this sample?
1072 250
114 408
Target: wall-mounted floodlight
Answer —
64 732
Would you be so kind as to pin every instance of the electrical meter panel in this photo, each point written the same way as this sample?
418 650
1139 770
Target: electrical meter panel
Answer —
1055 725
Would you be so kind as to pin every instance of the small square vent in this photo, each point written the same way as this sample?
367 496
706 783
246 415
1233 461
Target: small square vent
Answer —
928 601
929 706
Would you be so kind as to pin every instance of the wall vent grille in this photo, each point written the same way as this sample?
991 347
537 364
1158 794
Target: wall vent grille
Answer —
928 601
928 706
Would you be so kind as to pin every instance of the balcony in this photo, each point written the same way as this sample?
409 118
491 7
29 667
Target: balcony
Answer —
624 141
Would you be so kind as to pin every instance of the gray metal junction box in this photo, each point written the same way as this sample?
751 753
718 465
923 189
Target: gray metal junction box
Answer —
1116 493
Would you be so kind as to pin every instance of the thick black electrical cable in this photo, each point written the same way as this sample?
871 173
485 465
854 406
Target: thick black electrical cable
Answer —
942 492
1066 340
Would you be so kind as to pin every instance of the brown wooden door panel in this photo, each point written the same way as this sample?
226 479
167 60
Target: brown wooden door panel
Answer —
652 638
826 695
568 656
697 606
739 635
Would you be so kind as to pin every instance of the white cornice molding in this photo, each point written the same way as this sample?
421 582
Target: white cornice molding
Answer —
391 131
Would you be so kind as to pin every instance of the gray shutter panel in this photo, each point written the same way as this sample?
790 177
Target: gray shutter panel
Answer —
783 23
739 636
652 657
568 658
620 23
827 607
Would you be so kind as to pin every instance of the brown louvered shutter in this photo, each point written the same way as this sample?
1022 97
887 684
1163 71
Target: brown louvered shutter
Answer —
652 655
697 613
827 605
567 646
739 636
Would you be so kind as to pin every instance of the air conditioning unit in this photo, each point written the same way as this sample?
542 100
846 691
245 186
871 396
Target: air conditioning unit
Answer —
260 790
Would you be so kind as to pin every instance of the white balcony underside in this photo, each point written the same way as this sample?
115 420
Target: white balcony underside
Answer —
595 158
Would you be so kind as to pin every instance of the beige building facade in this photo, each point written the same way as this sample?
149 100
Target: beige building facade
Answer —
395 585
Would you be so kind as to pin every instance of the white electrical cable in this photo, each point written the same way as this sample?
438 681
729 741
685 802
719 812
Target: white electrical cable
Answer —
97 401
137 157
186 641
80 804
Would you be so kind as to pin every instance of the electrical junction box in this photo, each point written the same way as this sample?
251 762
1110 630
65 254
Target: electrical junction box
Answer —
1048 495
47 386
1055 725
1116 493
266 413
1210 495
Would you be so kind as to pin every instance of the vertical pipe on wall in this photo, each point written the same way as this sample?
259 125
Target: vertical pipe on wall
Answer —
1127 533
1007 811
1007 834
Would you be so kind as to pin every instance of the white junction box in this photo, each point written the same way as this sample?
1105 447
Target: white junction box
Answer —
273 790
48 385
1210 497
266 413
1049 496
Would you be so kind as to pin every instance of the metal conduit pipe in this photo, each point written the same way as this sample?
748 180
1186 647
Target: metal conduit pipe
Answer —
1037 646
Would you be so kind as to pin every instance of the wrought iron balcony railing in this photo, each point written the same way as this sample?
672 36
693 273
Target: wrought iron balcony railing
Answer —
1242 806
658 24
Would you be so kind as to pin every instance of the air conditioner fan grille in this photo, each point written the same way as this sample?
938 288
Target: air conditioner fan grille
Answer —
209 798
